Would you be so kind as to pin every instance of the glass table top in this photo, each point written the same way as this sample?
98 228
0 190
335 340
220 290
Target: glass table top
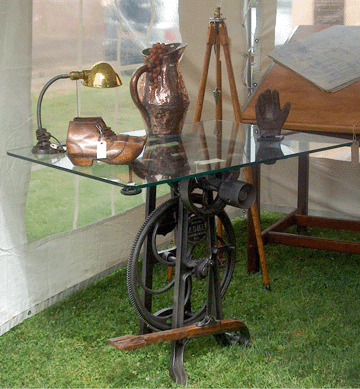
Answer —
202 148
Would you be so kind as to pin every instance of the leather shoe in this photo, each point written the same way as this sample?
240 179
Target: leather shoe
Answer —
84 136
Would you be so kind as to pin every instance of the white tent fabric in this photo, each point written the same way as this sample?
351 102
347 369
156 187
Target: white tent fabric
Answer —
15 65
334 187
264 38
34 276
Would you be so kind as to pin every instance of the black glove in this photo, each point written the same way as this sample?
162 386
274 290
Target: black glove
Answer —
269 116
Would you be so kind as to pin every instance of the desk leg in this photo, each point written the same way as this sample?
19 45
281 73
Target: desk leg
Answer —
303 184
303 188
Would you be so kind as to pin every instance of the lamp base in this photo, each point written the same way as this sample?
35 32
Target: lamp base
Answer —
44 146
47 148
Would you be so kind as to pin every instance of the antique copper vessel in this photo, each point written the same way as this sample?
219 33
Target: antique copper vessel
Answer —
163 106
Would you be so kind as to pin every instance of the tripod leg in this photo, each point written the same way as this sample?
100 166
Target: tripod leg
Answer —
257 227
224 39
200 99
218 92
237 113
218 113
221 30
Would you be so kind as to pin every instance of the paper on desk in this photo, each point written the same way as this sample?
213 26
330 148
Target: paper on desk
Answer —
330 59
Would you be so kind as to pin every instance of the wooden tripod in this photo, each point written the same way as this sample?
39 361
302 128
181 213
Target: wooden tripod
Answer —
217 37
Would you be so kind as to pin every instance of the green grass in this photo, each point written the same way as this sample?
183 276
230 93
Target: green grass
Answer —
305 332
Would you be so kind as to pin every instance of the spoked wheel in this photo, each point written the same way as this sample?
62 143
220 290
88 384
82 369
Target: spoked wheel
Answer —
153 297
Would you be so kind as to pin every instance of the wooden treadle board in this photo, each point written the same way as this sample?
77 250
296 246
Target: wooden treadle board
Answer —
130 342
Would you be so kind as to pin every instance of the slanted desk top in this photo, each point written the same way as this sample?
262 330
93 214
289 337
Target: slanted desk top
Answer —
311 108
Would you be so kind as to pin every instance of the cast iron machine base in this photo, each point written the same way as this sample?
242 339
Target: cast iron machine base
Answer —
181 265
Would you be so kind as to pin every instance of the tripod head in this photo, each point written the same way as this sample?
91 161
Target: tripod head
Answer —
217 16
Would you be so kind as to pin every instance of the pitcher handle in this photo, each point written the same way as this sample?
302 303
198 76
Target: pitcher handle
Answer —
135 94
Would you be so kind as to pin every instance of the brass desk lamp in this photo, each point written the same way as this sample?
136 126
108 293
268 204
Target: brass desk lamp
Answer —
101 75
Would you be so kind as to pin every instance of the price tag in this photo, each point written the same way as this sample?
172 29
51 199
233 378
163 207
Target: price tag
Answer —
101 149
206 162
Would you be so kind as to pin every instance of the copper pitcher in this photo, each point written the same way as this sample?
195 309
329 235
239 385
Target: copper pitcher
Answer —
162 106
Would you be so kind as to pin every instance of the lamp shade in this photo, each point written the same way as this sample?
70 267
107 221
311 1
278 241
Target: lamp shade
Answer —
101 75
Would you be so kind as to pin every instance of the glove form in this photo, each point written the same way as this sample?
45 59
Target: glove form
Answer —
269 116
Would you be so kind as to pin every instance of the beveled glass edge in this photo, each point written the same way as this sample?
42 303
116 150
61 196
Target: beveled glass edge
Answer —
108 181
325 138
215 171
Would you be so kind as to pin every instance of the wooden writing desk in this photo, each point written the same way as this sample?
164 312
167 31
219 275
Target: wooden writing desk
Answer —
315 111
